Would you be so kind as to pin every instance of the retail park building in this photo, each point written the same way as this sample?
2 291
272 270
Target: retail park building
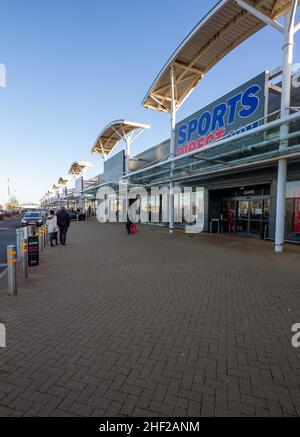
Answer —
243 149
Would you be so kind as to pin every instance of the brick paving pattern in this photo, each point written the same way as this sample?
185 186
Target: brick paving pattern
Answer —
153 325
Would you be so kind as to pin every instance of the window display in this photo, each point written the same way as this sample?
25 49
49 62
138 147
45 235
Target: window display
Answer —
292 214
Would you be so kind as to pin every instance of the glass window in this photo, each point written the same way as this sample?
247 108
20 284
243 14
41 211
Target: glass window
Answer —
292 211
178 207
154 208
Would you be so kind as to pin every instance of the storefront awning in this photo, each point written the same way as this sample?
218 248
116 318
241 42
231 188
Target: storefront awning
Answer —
113 133
78 167
226 26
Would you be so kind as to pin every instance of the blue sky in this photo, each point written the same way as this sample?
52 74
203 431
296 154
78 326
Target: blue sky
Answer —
75 65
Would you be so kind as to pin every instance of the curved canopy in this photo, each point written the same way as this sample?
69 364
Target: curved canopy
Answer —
78 167
63 180
113 133
226 26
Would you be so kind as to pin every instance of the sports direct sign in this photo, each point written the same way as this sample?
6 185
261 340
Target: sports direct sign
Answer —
234 113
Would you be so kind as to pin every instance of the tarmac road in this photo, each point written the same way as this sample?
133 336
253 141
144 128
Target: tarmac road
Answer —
7 236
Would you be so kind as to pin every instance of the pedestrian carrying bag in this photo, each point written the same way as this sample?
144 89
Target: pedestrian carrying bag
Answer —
133 228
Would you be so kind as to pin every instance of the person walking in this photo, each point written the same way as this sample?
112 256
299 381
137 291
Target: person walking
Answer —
63 222
127 225
52 227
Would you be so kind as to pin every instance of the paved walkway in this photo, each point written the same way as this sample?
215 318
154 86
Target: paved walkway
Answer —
153 324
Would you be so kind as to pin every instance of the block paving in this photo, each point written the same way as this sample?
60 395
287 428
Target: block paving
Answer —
153 325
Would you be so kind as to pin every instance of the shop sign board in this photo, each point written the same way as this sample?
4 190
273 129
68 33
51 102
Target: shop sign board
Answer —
238 111
33 251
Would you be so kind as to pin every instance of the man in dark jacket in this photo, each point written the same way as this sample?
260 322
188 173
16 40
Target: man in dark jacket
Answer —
63 222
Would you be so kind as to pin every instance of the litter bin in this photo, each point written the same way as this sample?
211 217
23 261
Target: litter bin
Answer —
214 226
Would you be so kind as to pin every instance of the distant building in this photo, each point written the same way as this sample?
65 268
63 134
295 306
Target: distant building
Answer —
30 205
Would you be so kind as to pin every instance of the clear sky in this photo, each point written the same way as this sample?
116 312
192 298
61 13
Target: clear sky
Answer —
75 65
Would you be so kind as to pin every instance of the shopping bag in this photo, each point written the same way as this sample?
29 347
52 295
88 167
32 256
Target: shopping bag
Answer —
133 228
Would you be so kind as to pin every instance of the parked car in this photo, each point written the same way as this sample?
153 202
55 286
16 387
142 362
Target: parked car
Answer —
72 214
32 218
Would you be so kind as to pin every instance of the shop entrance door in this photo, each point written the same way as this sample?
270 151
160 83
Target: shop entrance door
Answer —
242 220
250 216
244 210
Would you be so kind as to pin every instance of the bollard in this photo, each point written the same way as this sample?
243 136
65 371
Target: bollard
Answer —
46 235
24 258
42 239
12 270
40 235
20 233
30 230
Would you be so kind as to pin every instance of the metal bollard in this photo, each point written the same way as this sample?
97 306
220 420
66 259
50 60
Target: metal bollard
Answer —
40 236
30 230
12 270
20 233
46 235
24 258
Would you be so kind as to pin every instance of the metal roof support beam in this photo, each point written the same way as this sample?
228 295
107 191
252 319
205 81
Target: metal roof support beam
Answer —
178 82
187 67
276 72
260 15
172 148
287 61
297 27
102 148
212 41
158 101
275 88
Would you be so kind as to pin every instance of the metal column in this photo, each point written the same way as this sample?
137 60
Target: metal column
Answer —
24 258
12 269
172 151
285 103
40 236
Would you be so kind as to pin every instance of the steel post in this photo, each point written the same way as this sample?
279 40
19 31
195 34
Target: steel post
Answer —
24 258
29 230
12 269
47 239
44 235
172 150
40 237
284 129
20 234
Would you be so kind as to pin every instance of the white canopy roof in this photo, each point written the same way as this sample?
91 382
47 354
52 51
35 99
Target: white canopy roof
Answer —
226 26
62 181
113 133
78 167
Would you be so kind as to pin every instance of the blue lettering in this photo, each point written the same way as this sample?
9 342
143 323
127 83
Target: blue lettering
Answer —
182 134
250 101
218 117
252 126
192 128
204 123
232 103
